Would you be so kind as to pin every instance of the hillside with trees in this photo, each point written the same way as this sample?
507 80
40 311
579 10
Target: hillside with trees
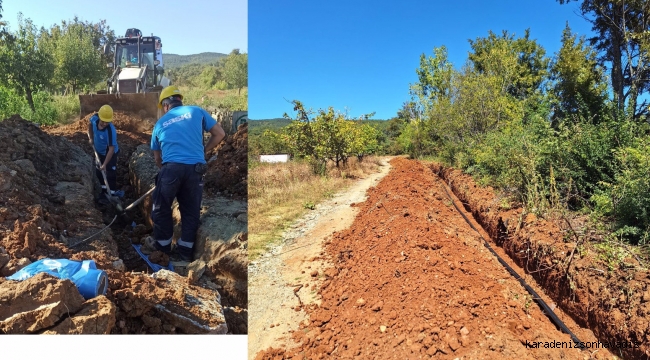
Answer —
173 61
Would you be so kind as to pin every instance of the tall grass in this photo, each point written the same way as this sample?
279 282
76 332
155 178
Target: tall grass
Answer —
280 193
215 99
67 107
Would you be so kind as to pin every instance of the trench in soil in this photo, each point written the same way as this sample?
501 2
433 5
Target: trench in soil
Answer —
411 279
131 134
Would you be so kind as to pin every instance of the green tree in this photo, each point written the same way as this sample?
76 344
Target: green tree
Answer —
23 65
579 85
79 64
434 77
520 64
77 48
236 70
623 41
210 76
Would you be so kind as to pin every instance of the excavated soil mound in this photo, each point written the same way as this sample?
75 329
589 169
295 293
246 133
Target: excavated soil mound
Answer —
229 174
39 176
613 301
411 279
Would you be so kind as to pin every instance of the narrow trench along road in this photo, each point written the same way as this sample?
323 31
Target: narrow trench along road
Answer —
403 275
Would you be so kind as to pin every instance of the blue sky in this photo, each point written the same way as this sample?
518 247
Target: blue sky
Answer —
185 26
362 55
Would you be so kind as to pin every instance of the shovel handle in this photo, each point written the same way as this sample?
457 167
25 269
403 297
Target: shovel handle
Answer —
140 199
108 188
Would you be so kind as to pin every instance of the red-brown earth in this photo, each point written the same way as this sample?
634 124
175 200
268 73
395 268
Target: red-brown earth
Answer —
411 279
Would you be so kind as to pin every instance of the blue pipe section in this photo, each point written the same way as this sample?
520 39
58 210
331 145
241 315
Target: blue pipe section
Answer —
89 280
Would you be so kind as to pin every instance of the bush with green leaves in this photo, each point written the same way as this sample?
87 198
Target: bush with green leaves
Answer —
46 112
627 197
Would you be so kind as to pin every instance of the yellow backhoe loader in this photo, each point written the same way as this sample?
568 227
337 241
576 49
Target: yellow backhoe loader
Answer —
137 79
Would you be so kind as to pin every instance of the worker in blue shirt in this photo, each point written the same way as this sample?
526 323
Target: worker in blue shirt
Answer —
103 138
177 144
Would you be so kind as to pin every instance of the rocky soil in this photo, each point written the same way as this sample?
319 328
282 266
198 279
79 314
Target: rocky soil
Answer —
47 193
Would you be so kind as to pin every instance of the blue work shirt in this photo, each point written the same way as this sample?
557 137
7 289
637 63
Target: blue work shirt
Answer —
179 135
104 138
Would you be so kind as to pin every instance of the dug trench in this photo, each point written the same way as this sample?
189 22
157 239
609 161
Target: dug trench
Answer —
47 206
410 278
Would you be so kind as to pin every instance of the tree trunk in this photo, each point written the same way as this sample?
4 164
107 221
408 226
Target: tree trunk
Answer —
30 99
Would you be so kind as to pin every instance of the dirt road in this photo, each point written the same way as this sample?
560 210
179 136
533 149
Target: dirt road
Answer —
281 280
408 279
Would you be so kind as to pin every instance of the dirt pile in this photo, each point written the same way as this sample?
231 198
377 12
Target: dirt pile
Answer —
411 279
228 175
43 180
164 304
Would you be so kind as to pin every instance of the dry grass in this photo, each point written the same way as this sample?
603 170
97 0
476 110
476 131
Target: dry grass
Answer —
278 194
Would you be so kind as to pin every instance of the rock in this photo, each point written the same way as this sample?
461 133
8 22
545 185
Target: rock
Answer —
181 315
212 285
432 351
646 295
242 218
97 316
464 331
464 340
314 273
192 277
198 267
382 328
377 306
30 242
4 260
5 178
118 265
36 303
160 258
453 344
26 166
21 263
361 302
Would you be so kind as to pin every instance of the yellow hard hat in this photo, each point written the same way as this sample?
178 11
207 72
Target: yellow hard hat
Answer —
105 113
167 92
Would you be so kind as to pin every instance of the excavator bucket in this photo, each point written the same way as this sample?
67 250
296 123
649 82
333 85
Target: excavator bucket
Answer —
144 104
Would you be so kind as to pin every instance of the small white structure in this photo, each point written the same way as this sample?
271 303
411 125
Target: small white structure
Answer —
281 158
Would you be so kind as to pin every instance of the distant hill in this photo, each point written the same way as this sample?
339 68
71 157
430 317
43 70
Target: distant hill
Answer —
257 127
175 61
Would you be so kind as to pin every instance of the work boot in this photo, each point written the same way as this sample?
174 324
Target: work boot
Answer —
148 246
176 256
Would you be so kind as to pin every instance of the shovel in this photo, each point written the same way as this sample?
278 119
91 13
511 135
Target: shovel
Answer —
114 200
